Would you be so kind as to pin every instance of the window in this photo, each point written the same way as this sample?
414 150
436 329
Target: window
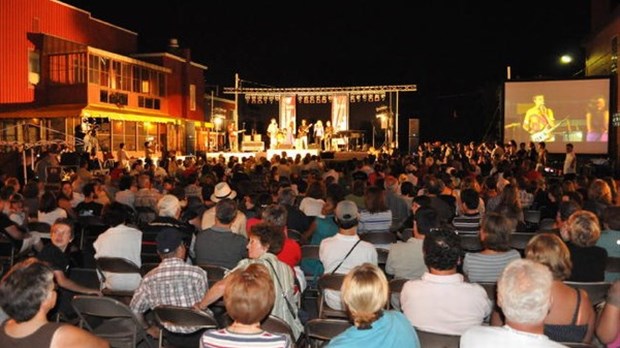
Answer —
614 55
34 67
192 97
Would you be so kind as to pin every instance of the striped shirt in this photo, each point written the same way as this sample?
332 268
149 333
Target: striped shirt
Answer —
374 222
467 223
173 282
480 267
222 338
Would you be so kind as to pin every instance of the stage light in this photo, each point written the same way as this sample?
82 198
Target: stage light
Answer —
352 99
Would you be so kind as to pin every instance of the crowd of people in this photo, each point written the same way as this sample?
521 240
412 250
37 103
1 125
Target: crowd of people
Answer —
252 215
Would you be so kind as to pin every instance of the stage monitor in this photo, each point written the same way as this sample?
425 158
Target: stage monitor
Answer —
559 112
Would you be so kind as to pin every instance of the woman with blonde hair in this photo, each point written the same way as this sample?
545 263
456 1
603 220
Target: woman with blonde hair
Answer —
599 197
365 294
571 317
581 232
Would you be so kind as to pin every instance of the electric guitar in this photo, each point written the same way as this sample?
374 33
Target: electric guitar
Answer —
304 130
546 132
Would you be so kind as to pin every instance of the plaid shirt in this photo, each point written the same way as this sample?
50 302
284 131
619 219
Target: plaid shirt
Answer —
173 282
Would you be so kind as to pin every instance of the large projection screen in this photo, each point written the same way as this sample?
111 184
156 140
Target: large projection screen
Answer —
559 112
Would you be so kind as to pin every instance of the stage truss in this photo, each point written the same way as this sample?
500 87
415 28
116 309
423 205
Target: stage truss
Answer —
314 95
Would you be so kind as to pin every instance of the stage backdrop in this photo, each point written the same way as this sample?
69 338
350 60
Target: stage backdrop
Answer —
340 112
288 112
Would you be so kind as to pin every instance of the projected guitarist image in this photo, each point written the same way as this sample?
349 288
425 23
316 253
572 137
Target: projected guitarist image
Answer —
539 120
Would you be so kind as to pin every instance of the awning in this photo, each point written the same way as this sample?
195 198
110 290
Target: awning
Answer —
64 110
79 110
127 115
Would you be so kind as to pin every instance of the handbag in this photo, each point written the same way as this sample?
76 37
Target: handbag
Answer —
288 303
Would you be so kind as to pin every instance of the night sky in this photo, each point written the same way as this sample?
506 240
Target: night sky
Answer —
456 52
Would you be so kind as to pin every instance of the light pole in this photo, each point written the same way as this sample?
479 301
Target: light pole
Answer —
236 113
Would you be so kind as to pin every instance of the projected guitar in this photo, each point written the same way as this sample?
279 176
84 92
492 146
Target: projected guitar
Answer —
546 133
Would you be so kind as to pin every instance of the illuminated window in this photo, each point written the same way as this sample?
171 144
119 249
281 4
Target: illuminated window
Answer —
192 97
34 67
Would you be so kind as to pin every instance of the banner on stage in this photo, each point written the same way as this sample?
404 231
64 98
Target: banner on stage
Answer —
340 112
288 112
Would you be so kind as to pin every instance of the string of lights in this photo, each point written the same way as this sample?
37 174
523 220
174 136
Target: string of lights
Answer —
318 95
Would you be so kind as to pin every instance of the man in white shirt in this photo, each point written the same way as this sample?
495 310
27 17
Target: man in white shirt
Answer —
570 161
342 252
441 301
119 240
524 294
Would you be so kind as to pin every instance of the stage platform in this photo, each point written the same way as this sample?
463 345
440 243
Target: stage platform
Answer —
325 155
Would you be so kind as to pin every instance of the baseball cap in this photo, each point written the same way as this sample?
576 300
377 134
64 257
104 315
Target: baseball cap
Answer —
168 240
346 211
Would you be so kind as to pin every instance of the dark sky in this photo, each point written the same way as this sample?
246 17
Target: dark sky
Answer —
455 51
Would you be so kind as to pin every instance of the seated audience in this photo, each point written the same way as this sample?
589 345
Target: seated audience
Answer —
524 294
610 237
487 265
218 244
581 233
608 325
265 242
173 282
340 253
248 297
571 316
61 256
323 226
441 301
121 241
223 191
405 259
376 217
49 211
365 293
27 295
468 221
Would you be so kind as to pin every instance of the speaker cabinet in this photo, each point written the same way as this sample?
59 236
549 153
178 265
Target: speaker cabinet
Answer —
414 134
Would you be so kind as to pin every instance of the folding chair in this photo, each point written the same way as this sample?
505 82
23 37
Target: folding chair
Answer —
432 339
294 235
276 325
319 331
117 265
119 325
470 242
597 291
215 273
519 240
396 286
379 238
182 316
330 282
382 255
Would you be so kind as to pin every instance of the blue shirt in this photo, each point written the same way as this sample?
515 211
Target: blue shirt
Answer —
391 330
325 227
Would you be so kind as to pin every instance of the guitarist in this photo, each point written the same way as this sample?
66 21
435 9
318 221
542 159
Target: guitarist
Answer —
302 134
233 138
539 118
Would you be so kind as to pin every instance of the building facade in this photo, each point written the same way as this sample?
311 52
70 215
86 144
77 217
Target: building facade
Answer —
63 71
